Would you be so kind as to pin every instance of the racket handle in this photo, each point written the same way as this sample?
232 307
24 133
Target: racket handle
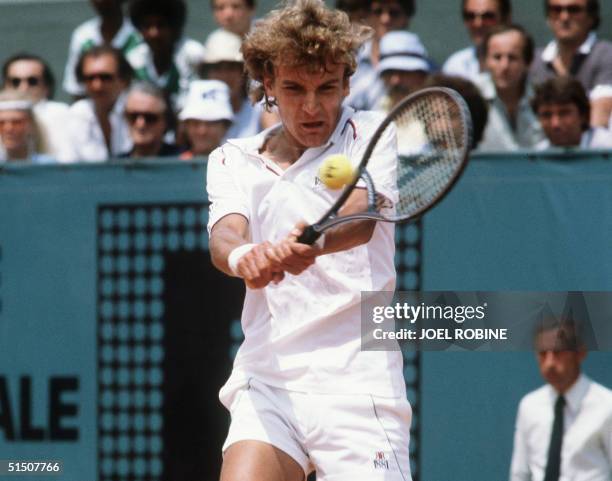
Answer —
309 236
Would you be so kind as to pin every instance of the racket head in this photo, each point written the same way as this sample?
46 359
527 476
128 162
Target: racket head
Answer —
433 130
434 136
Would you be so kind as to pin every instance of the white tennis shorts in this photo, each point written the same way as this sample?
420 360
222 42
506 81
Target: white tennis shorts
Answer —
343 437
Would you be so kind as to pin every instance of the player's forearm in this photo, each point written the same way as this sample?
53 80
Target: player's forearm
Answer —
348 235
351 234
223 241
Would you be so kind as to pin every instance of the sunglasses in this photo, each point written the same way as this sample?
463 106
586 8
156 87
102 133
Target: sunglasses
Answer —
573 9
17 81
391 11
103 77
485 17
150 118
14 123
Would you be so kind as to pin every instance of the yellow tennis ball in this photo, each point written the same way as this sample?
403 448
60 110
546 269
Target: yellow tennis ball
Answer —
336 171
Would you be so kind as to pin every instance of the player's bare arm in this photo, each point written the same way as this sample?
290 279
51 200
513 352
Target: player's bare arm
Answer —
352 234
295 257
254 266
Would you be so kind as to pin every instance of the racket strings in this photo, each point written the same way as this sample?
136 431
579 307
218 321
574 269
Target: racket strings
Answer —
431 146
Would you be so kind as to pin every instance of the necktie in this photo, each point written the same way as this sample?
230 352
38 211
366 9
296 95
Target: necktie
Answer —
553 465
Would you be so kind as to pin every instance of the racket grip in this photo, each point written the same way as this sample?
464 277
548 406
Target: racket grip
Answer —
309 236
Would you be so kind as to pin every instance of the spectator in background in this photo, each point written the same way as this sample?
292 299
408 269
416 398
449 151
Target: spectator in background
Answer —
149 118
224 62
232 16
477 105
403 68
357 10
384 16
479 16
577 52
167 58
563 108
21 135
564 428
110 27
206 117
96 128
235 16
30 74
507 52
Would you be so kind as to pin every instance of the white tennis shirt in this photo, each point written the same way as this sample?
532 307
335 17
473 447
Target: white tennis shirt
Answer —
303 334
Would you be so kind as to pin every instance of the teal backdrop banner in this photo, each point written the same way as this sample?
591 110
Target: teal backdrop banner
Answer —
95 259
49 302
519 224
523 222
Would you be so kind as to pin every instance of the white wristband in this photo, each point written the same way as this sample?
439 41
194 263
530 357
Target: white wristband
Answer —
236 255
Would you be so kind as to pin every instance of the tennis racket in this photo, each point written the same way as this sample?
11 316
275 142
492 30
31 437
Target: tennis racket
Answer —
434 134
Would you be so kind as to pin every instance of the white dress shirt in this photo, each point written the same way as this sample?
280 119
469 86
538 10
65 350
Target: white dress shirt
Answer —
499 135
52 117
463 63
84 140
586 452
366 86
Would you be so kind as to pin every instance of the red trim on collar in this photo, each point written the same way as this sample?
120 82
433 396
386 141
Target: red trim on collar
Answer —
350 121
272 170
268 167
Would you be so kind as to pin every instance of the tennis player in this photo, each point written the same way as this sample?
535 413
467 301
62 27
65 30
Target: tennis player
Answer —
302 395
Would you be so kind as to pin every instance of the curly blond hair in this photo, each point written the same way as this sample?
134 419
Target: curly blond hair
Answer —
304 33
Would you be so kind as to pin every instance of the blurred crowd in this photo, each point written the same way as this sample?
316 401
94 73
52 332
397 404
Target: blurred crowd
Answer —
141 88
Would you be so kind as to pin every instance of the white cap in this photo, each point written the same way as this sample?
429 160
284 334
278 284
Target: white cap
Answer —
223 46
207 100
16 105
401 50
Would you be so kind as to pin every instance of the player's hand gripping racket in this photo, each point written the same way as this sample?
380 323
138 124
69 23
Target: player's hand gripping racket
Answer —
434 135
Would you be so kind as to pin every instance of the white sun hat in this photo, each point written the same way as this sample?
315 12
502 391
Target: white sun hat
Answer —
401 50
207 100
223 46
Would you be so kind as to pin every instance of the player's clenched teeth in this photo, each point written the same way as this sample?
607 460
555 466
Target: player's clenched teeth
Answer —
313 125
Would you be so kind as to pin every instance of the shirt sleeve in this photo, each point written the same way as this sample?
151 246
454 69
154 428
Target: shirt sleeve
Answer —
519 467
224 193
601 91
602 83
